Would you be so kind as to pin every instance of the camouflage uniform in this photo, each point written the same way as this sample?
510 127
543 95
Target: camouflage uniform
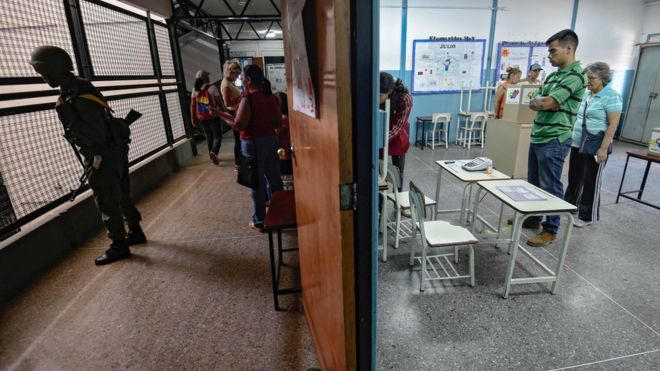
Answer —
85 126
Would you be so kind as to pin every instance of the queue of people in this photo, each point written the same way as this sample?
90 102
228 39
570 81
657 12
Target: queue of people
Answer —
259 123
570 120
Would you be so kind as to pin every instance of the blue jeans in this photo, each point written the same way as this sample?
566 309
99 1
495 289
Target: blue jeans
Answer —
268 171
545 162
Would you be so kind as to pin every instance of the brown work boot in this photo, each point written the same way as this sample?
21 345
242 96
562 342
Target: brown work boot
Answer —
542 239
529 223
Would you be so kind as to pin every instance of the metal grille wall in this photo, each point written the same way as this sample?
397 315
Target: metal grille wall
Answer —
148 132
38 169
37 165
164 50
118 43
24 24
176 116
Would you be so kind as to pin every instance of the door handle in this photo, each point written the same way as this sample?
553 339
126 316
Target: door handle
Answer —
653 95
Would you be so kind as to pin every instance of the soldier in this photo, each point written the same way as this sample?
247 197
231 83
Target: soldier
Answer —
83 112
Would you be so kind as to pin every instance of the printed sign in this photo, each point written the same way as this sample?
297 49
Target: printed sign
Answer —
446 66
528 94
513 95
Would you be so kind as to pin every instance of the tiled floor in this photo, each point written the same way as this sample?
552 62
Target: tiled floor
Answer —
605 315
197 296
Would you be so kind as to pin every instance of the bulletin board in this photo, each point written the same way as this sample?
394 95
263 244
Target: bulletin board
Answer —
441 66
522 55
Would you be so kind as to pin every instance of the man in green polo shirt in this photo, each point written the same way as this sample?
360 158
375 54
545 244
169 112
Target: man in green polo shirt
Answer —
556 103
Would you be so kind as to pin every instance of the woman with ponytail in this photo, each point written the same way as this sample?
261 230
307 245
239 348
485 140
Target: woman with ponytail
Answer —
257 119
512 78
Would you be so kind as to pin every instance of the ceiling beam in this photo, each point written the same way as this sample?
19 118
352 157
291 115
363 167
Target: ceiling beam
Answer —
260 18
247 3
276 8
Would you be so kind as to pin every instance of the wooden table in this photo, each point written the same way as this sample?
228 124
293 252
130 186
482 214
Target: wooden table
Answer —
281 215
642 155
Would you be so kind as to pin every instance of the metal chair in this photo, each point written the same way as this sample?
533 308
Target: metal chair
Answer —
475 124
401 201
444 119
437 233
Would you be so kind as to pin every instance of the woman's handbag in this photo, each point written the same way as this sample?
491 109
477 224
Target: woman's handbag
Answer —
591 142
247 172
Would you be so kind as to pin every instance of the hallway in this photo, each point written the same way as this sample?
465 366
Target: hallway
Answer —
197 296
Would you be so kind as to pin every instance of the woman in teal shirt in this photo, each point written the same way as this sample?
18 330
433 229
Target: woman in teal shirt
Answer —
599 112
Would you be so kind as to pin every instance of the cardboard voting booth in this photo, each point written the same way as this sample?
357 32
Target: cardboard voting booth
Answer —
516 103
654 142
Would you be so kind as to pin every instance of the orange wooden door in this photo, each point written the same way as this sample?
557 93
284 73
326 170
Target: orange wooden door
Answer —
322 162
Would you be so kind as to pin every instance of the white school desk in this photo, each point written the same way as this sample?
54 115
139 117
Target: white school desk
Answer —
551 205
467 177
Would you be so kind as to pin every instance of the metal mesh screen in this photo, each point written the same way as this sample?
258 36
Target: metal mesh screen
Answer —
147 133
25 25
176 116
36 162
118 43
164 50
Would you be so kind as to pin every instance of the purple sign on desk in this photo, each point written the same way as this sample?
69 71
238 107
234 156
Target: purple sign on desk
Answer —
520 193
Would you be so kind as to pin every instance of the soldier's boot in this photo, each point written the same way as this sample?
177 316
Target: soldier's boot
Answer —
135 235
118 250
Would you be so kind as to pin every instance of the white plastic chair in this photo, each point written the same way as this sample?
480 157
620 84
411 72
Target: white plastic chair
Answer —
444 119
401 201
437 233
467 134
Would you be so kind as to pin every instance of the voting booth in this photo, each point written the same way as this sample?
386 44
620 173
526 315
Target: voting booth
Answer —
508 138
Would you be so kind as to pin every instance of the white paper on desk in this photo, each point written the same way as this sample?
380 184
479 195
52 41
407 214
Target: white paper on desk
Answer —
520 193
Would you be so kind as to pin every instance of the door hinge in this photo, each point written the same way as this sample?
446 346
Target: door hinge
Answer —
347 197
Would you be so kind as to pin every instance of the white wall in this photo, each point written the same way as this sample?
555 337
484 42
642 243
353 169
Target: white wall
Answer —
530 20
608 30
390 38
199 52
446 18
651 23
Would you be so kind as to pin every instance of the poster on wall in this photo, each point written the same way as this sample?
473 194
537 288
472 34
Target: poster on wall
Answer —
445 66
303 96
539 55
276 74
513 56
522 55
275 71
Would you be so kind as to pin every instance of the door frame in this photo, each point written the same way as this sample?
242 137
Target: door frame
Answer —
364 81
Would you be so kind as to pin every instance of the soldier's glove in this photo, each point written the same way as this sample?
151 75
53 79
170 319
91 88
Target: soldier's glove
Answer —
96 163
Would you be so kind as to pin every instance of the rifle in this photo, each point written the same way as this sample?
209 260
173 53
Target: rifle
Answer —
131 117
83 179
87 171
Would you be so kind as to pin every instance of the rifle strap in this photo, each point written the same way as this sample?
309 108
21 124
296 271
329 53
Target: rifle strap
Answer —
98 100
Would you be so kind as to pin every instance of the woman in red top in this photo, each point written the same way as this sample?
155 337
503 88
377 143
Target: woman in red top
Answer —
400 107
258 117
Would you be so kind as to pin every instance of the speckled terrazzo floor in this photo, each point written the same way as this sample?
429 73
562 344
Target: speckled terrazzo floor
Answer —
197 296
605 316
